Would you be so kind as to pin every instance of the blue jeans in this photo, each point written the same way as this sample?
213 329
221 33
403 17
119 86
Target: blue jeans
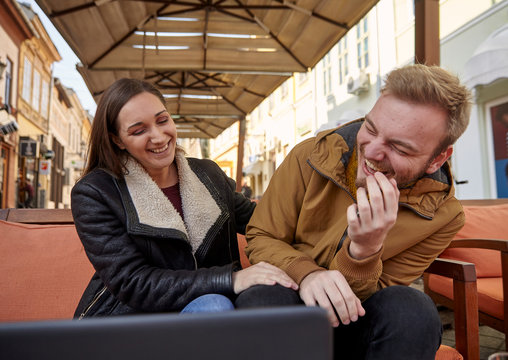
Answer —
209 303
400 323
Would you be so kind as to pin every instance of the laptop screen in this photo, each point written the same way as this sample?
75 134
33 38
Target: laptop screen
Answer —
296 332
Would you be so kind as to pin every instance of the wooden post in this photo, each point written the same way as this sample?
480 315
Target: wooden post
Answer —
427 44
239 162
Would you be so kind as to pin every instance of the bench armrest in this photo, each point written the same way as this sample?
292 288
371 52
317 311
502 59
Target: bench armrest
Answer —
457 270
492 244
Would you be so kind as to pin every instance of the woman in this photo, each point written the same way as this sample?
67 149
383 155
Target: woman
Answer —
159 229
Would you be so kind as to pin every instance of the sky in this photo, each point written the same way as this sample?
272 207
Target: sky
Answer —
65 69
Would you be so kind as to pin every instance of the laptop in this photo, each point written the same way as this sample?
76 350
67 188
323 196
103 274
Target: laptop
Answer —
295 332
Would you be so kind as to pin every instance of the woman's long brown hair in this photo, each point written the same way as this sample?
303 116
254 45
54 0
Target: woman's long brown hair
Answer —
102 152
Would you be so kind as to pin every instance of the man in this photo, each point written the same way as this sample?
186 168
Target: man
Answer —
363 207
246 189
28 190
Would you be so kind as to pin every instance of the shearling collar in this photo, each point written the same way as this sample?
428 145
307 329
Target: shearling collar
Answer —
154 209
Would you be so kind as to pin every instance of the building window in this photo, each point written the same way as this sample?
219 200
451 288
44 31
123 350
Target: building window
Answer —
8 82
45 99
362 43
343 66
302 77
27 80
410 4
271 102
284 89
36 96
327 74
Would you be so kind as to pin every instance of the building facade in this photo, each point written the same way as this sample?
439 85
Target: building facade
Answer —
478 51
14 30
345 84
69 128
36 57
43 127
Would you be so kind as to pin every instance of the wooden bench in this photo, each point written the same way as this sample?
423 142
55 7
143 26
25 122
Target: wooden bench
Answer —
44 266
47 264
45 270
48 270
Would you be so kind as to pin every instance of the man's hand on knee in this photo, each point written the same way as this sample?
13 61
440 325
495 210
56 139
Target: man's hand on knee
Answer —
330 290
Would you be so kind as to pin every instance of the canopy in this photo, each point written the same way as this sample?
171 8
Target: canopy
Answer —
202 103
216 60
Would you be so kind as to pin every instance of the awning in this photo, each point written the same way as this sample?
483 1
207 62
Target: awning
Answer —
489 61
236 43
8 122
255 168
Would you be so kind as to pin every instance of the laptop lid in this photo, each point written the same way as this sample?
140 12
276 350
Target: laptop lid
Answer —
296 332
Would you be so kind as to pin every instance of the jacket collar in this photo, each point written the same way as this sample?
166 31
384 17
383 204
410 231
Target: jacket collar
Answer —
151 211
333 150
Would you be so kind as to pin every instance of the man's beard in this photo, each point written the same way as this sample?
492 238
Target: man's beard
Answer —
402 180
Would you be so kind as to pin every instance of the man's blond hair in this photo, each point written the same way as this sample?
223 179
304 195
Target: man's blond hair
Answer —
422 84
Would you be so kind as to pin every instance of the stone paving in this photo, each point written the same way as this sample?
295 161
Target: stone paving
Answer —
491 340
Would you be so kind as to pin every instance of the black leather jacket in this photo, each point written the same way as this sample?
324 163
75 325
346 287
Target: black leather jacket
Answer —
146 258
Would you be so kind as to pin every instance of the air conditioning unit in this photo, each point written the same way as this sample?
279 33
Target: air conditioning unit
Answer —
360 84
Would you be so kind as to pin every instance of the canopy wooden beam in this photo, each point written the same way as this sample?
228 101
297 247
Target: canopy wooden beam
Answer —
427 43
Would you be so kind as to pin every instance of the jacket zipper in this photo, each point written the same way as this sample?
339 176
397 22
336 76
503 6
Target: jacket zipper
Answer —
195 261
407 206
94 301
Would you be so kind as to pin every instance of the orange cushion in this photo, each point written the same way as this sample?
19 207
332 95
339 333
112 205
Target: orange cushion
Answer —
490 293
487 262
487 222
446 352
44 271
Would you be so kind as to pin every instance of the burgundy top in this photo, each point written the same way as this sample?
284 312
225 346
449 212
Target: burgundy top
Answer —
173 194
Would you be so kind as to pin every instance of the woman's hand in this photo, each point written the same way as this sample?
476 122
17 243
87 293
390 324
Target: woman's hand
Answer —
261 274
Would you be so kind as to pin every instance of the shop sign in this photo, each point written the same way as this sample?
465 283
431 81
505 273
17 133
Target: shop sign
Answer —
28 148
44 167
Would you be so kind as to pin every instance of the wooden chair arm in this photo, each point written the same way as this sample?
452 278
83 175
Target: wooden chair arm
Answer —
492 244
3 214
465 303
457 270
37 216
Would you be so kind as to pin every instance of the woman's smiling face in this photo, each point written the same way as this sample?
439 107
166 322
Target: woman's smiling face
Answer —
147 132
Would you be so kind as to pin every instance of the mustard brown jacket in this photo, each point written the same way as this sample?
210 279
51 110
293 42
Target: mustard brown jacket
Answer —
300 224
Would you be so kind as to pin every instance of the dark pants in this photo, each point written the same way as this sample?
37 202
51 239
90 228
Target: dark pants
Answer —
400 323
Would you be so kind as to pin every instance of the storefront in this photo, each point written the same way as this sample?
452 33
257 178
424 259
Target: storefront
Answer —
8 143
481 154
